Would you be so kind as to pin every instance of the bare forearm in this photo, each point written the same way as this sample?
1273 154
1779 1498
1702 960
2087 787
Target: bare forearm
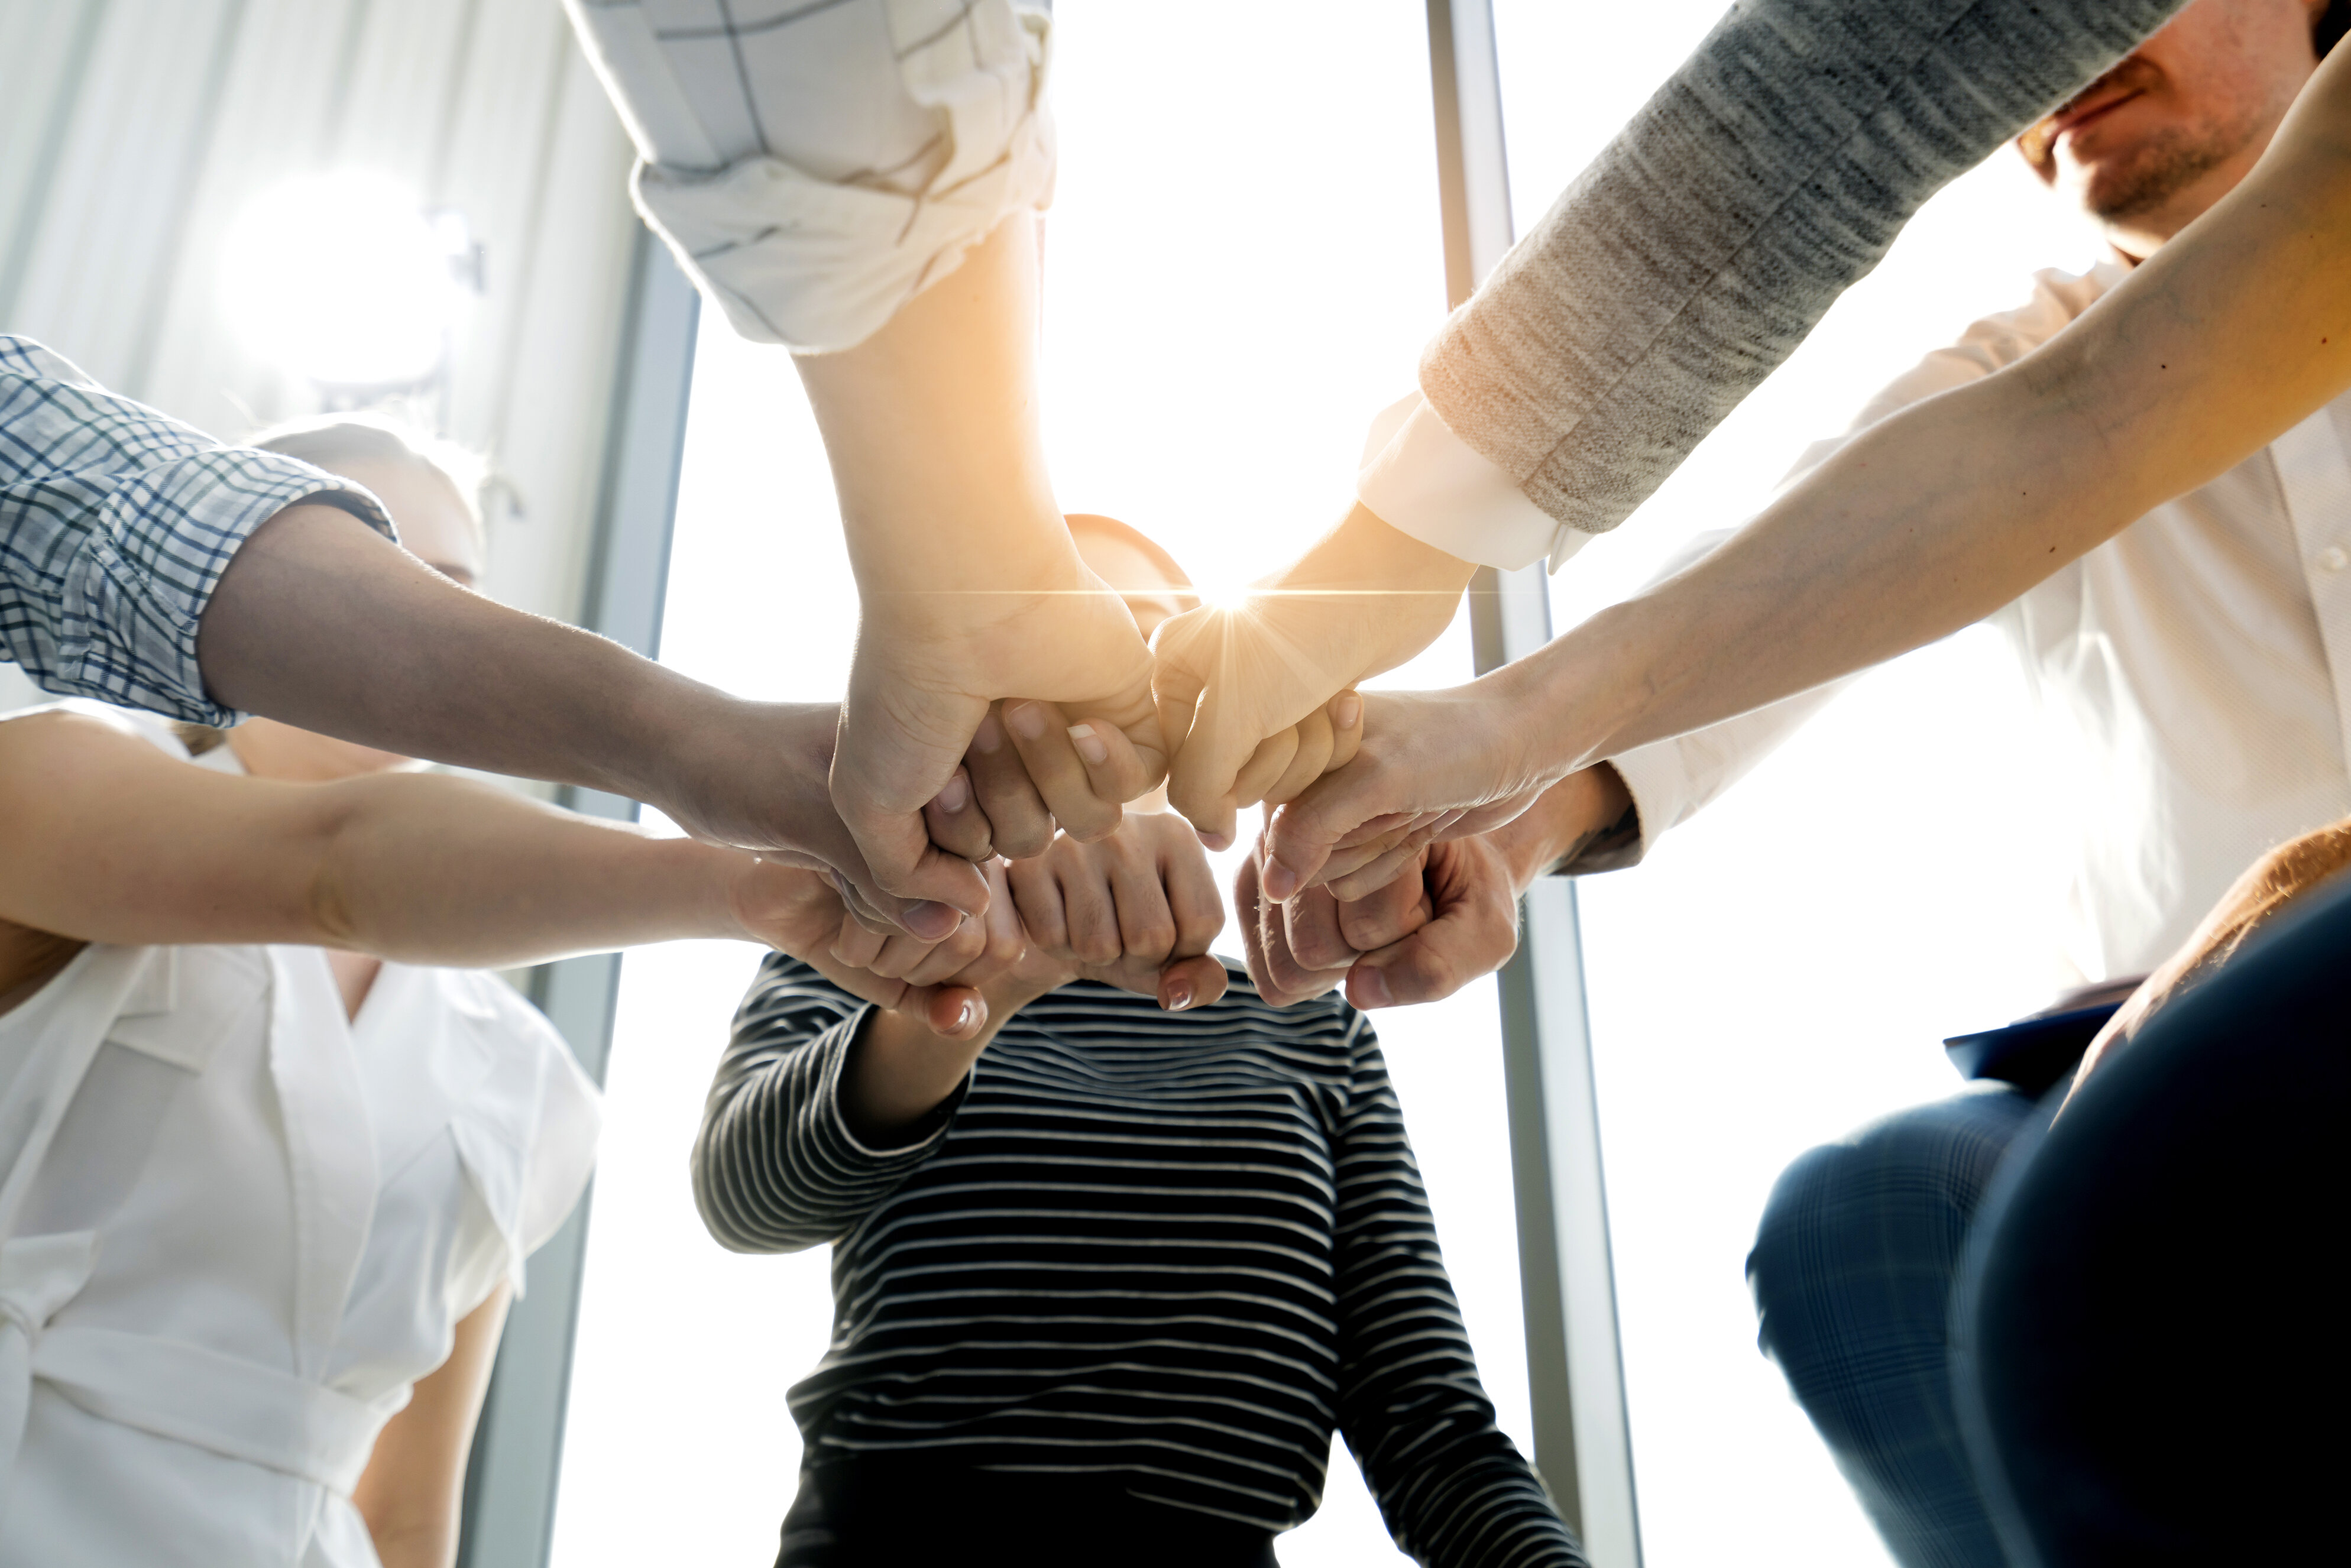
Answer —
1568 820
321 622
2223 341
410 1493
899 1070
931 426
452 872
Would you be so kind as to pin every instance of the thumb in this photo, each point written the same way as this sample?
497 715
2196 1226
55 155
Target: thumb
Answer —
1301 834
954 1012
1175 685
1191 982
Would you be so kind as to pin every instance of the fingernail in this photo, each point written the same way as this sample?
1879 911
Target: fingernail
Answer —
1347 711
1217 842
957 795
1089 744
932 922
989 737
1279 881
963 1019
1179 996
1371 989
1029 719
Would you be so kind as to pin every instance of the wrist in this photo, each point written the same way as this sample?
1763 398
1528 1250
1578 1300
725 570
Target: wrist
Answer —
1004 550
1572 700
667 731
1365 551
730 895
1567 819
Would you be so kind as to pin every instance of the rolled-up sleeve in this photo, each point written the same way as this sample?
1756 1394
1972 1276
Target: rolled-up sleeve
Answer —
115 526
814 166
1772 172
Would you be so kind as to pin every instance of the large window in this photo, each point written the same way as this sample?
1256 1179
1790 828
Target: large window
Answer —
1782 968
1242 264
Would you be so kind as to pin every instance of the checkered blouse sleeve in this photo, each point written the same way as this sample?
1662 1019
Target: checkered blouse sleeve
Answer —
115 524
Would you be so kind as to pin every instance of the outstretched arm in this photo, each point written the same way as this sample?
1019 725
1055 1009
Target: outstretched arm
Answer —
321 622
1767 176
2225 339
106 839
971 587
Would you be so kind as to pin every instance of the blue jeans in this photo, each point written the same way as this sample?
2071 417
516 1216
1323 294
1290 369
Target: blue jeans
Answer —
1852 1271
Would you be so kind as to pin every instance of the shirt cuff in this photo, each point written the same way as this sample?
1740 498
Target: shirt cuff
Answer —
1663 796
1421 479
820 266
134 599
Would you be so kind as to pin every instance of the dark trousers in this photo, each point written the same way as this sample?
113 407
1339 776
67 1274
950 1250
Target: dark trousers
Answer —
892 1512
2152 1364
1852 1271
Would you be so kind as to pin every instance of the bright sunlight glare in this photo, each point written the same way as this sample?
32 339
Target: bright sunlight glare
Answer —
343 278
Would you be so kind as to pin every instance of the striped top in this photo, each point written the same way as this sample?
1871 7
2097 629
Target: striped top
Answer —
1177 1249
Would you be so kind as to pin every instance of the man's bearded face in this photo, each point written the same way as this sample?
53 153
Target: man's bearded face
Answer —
2196 95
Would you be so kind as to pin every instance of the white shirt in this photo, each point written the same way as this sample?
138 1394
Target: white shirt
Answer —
223 1268
2197 667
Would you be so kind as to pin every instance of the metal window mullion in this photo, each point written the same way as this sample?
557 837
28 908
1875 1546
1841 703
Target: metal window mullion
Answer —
1567 1279
510 1483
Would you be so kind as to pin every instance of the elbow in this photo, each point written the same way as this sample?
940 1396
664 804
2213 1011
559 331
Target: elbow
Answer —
331 903
740 1211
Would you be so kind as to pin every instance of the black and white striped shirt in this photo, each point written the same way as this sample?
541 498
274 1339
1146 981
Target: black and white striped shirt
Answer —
1172 1247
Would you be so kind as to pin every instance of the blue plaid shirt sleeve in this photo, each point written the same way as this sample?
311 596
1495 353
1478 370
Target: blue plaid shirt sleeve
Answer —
115 526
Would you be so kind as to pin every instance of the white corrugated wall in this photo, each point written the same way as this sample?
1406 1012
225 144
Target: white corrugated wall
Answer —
132 131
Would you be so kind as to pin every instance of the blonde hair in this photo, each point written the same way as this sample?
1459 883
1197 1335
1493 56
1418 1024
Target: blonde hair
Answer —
335 441
331 441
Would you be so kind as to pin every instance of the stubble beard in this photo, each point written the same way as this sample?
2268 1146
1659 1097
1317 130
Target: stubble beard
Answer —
2156 171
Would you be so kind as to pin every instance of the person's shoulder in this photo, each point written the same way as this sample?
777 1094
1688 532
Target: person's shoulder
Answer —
29 357
1989 345
2056 300
75 724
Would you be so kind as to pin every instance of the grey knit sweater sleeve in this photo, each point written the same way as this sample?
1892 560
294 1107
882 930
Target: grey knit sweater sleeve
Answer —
1768 175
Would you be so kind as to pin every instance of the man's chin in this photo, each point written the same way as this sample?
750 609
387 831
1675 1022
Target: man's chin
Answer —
2146 181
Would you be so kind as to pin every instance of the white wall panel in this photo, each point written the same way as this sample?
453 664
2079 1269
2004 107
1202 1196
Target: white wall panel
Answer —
133 131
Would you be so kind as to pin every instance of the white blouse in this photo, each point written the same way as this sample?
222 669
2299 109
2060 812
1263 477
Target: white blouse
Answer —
236 1229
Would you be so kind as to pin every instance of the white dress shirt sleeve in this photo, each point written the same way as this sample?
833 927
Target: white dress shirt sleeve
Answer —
1421 479
1671 780
815 167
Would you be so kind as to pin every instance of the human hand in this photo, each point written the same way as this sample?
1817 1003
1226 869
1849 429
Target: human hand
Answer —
937 985
758 776
1136 910
933 772
1244 690
1449 916
1433 765
1028 767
